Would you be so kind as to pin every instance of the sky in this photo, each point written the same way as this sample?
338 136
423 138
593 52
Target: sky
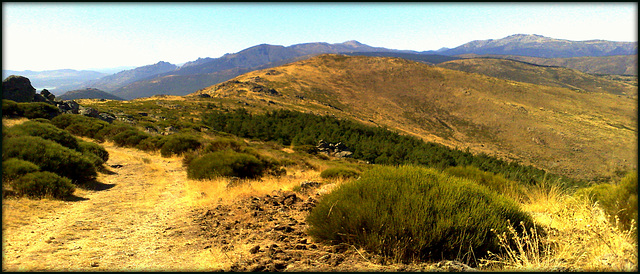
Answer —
47 36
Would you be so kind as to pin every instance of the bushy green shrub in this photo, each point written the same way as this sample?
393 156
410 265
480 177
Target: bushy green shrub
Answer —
94 148
153 143
271 166
223 143
93 152
309 149
50 156
42 184
46 131
10 109
13 168
412 213
495 182
129 138
225 163
112 130
339 172
178 143
39 110
617 199
80 125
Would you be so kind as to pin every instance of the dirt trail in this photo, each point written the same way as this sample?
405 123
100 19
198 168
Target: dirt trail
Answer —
135 222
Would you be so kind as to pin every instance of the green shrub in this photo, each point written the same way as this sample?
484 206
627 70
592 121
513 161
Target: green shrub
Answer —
225 163
178 143
495 182
339 172
112 130
10 109
93 152
153 143
309 149
81 125
271 165
43 183
412 213
46 131
223 144
39 110
50 156
13 168
617 199
129 138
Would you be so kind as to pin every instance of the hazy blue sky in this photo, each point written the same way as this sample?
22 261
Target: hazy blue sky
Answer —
43 36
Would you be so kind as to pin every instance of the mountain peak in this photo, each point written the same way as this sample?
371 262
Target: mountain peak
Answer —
352 43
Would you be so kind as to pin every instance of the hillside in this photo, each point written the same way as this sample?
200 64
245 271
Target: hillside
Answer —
576 134
617 64
88 93
204 72
540 46
541 75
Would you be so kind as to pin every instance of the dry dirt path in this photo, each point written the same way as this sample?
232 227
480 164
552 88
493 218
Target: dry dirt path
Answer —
135 222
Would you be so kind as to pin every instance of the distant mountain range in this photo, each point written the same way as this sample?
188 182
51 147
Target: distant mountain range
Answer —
539 46
88 93
166 78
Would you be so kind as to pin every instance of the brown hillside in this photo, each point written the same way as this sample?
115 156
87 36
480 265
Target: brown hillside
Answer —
565 131
541 75
617 64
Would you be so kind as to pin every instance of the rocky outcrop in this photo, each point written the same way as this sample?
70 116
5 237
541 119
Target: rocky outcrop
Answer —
18 88
334 149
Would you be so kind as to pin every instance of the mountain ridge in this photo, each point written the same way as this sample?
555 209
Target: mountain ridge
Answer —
534 45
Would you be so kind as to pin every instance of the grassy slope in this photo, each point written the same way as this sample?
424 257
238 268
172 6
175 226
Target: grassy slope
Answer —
541 75
577 134
618 64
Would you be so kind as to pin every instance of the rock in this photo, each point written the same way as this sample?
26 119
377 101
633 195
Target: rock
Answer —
344 154
18 88
106 117
309 184
40 98
46 94
87 111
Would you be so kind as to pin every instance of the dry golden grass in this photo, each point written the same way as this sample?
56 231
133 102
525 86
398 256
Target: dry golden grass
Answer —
9 122
579 237
205 193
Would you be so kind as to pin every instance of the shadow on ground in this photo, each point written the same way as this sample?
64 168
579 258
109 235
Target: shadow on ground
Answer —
96 186
74 198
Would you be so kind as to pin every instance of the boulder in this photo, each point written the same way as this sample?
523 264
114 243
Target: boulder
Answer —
18 88
106 117
87 111
47 94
